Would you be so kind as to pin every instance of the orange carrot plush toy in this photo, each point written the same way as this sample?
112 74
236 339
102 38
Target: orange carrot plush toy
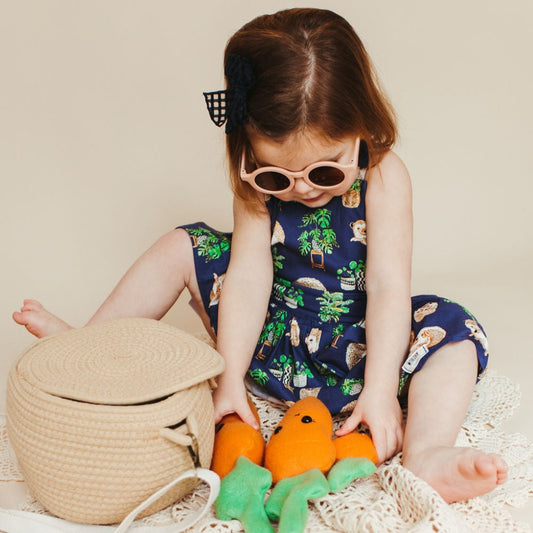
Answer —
235 438
299 453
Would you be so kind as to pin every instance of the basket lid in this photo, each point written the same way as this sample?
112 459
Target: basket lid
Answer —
122 362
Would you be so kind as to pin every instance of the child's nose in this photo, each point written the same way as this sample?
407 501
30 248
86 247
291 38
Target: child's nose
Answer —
301 186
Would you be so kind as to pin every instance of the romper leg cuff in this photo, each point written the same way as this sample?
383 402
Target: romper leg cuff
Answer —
211 251
437 321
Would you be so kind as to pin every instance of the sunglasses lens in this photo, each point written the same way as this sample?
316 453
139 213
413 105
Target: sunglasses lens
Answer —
326 176
272 181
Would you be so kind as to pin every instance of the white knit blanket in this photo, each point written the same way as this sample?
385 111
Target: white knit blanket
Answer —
392 500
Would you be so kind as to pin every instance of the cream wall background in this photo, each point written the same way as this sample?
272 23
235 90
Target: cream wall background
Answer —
105 144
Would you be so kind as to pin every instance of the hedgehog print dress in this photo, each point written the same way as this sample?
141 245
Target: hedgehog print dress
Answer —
313 339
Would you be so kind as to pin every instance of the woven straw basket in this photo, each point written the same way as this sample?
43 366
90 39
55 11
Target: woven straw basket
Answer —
102 417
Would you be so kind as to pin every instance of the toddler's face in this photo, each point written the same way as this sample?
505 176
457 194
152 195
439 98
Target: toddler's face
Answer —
296 153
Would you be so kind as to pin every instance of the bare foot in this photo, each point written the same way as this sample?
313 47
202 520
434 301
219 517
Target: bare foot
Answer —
38 321
458 473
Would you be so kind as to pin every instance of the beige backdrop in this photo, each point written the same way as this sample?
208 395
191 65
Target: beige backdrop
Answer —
106 144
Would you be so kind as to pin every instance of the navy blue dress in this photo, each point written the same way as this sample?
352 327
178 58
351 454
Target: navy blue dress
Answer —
313 339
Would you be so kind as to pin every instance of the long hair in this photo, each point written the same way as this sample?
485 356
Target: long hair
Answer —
311 72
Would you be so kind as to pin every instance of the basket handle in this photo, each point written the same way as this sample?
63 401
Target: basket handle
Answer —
13 521
26 522
187 439
208 476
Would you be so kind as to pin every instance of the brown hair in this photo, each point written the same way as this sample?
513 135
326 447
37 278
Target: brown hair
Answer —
311 72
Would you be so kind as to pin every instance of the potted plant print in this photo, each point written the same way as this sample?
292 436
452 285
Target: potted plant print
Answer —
319 239
259 376
352 386
272 333
284 290
337 333
302 373
331 377
352 277
211 244
332 306
277 259
283 369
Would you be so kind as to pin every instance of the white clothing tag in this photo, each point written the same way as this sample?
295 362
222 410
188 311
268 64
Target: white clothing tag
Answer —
412 361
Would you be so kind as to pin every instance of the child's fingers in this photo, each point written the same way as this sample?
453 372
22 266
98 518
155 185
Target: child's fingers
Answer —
392 444
388 442
384 441
399 440
221 410
247 416
218 417
349 425
379 438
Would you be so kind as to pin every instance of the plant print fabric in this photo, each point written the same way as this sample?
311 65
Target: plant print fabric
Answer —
313 340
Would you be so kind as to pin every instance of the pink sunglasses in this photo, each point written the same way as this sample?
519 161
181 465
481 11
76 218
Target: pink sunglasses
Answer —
321 175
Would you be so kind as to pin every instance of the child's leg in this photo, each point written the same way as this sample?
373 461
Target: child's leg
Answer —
148 289
439 396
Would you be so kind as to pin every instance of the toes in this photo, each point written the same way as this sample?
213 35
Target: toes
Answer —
484 465
20 318
32 318
500 463
32 305
29 308
478 465
33 329
501 478
468 473
491 467
502 469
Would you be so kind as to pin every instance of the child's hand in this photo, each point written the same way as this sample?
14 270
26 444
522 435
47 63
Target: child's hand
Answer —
383 415
230 397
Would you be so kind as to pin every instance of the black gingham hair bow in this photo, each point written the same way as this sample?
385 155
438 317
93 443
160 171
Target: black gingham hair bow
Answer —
230 106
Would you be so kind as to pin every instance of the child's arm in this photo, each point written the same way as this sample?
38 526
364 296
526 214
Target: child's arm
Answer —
389 238
242 308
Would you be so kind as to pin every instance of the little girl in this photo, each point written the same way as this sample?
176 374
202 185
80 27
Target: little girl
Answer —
321 246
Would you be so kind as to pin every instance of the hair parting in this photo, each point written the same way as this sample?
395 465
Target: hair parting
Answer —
311 72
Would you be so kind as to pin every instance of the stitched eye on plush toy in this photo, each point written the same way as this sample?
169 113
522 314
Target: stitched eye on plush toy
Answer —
277 430
306 419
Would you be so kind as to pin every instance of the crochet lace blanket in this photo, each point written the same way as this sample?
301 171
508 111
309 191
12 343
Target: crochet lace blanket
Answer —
392 500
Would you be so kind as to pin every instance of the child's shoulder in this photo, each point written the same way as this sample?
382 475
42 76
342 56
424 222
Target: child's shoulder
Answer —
390 164
391 169
388 182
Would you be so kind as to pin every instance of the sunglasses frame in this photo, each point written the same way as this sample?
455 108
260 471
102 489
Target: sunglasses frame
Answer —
350 171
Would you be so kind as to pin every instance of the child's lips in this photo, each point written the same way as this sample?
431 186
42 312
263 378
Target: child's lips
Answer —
315 198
